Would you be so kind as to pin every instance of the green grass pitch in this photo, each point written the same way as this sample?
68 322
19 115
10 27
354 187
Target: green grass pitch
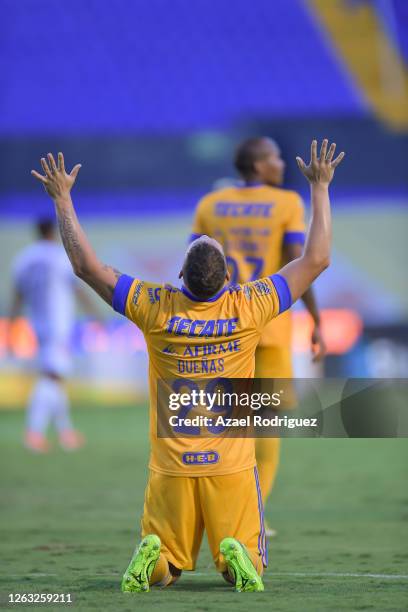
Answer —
69 523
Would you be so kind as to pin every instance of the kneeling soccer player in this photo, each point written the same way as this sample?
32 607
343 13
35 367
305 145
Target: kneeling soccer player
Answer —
200 482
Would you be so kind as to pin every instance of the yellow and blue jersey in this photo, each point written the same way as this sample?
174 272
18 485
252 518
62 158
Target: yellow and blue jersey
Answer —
253 223
196 340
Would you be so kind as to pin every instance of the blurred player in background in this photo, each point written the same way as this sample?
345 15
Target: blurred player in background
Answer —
261 227
198 482
46 287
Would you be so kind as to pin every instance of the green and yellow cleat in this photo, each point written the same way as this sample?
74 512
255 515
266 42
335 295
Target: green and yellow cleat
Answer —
137 576
239 563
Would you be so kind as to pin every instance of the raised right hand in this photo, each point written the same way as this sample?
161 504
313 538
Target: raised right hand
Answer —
320 169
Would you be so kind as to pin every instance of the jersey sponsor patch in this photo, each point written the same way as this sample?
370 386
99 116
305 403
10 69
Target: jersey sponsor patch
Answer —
200 458
262 288
201 327
247 291
154 294
137 292
246 209
170 349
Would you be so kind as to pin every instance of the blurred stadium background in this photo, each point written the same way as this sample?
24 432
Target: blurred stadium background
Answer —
152 97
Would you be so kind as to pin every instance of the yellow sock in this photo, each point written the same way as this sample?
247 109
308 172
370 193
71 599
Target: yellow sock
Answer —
267 458
161 574
257 563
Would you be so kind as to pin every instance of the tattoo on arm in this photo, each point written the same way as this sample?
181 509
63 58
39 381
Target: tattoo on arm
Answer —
101 277
70 240
116 275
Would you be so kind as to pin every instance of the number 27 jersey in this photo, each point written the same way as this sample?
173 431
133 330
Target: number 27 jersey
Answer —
253 223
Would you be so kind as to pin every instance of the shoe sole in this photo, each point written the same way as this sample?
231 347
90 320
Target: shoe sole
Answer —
246 576
137 575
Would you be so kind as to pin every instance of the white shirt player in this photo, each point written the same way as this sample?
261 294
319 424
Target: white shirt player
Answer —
44 278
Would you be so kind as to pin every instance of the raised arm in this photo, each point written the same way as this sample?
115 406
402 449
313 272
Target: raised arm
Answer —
86 265
301 272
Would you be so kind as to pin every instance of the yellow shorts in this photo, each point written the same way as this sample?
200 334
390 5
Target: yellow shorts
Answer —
276 362
178 509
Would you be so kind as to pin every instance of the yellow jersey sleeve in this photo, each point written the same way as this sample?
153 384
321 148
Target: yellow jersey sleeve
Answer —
267 298
200 223
295 226
138 300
